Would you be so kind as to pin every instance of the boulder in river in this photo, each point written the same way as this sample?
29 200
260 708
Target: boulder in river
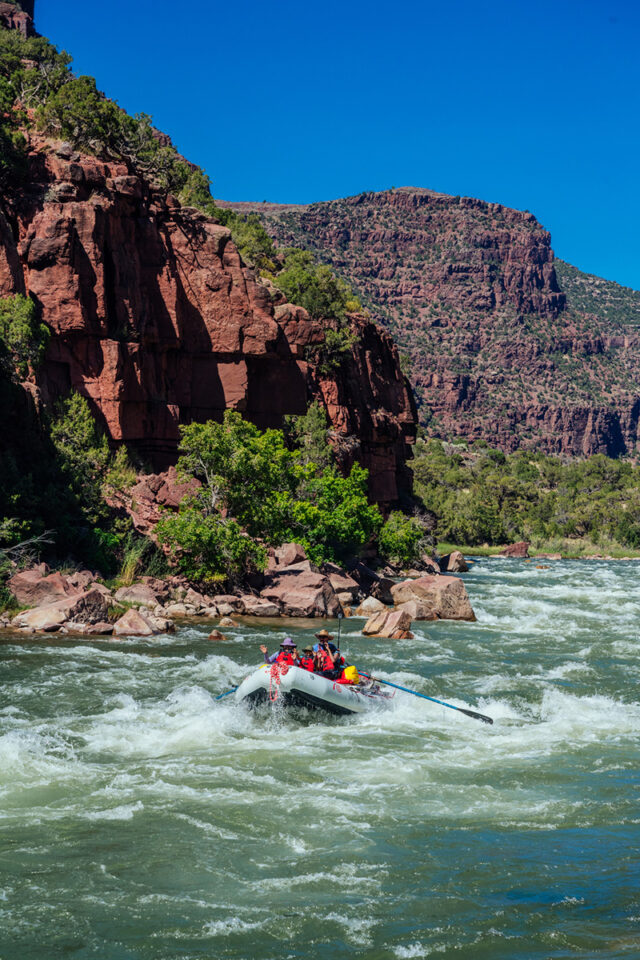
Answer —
301 591
88 606
518 550
134 623
453 562
369 606
446 597
418 610
259 607
394 624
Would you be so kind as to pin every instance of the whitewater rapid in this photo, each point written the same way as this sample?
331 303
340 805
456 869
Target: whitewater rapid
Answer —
140 817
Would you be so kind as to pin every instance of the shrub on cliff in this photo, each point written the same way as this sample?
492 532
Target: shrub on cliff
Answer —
22 335
314 286
79 113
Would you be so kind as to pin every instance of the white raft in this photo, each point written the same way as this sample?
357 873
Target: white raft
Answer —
293 686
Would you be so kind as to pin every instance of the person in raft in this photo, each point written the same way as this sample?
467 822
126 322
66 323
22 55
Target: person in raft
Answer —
306 660
288 653
328 659
323 658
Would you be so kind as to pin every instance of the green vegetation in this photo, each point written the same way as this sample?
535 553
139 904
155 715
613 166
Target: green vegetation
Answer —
603 298
53 476
23 339
256 491
402 539
314 287
484 497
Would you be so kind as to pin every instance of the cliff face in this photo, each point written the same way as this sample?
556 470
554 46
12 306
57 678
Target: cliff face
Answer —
18 17
497 348
156 320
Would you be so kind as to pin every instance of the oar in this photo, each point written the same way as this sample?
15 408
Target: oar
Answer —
469 713
226 694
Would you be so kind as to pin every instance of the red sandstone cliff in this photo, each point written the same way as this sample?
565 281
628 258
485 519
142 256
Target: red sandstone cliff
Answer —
18 18
158 322
497 349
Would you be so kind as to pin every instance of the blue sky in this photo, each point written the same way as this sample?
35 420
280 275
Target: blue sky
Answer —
533 105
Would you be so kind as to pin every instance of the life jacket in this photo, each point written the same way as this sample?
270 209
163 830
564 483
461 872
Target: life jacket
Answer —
306 663
327 661
286 657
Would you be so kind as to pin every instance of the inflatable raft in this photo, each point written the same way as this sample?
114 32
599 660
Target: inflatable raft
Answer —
293 686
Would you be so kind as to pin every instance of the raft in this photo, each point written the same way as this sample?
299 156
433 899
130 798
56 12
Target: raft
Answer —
295 687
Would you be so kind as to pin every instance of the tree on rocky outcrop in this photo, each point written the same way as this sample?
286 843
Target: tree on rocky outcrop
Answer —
23 339
276 495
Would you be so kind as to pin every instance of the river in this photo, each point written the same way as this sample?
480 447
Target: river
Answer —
140 818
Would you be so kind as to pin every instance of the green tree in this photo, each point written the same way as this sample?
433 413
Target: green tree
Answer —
84 454
209 547
309 433
24 337
402 539
79 113
334 519
314 286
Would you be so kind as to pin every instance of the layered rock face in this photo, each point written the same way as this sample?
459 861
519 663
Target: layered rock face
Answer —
157 321
497 349
18 18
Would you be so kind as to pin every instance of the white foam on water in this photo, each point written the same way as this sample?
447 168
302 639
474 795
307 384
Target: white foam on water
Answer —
230 926
124 812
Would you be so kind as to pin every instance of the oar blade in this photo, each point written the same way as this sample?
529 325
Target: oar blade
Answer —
476 716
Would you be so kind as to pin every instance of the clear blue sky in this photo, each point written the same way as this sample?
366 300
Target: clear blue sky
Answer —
533 105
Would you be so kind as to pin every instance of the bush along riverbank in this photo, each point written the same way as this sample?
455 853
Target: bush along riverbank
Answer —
250 522
483 499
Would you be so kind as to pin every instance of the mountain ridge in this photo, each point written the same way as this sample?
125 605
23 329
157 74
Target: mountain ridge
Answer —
506 343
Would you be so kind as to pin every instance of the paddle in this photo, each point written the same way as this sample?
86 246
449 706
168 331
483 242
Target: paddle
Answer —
226 694
469 713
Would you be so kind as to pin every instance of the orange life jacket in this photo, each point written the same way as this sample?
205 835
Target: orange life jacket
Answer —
327 661
306 663
286 657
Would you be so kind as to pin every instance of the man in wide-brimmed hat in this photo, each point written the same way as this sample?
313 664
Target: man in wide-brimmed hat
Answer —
326 656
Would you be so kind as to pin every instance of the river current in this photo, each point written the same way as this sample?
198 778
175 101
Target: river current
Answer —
141 819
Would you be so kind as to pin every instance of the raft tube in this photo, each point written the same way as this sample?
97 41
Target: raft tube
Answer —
293 686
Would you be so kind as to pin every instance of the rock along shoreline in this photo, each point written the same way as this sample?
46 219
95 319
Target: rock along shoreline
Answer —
291 587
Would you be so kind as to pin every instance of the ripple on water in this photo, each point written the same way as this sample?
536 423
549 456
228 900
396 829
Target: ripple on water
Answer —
201 828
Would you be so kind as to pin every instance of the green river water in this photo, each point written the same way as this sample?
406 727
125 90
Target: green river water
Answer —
140 818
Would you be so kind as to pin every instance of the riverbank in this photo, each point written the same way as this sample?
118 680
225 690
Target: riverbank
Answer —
564 549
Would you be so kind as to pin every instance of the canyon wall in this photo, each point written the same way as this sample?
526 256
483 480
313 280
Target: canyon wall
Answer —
158 322
496 348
